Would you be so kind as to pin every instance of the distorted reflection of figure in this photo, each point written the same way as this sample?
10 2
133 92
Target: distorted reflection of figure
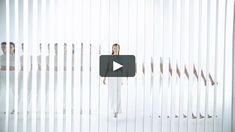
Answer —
3 68
114 87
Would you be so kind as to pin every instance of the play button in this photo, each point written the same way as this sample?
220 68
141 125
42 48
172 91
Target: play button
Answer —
117 65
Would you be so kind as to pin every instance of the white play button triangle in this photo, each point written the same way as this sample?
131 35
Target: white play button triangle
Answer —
116 66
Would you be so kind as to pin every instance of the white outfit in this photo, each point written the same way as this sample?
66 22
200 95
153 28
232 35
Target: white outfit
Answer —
114 88
29 85
185 94
39 85
194 95
3 84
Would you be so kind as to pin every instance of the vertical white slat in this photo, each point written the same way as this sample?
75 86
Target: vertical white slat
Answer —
89 63
25 64
161 88
68 71
206 128
190 59
181 66
196 75
90 56
77 33
128 44
148 38
170 62
199 64
68 66
186 65
144 65
52 81
216 63
16 6
118 39
224 55
60 64
166 56
77 84
99 52
98 123
174 64
104 28
51 67
203 63
81 87
43 65
7 64
152 87
233 81
109 47
136 73
152 66
60 87
89 88
177 61
161 63
228 73
157 42
34 64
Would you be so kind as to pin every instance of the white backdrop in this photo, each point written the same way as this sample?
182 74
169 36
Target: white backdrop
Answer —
186 33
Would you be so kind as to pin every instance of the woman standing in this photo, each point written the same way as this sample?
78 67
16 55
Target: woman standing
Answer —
114 86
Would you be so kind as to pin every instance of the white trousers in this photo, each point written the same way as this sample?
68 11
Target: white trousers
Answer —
114 88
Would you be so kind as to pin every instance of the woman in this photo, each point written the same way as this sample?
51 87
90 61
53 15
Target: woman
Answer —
114 85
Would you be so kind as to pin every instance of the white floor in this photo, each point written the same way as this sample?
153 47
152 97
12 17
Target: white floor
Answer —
121 124
145 105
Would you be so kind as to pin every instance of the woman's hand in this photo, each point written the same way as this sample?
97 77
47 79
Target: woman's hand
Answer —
104 81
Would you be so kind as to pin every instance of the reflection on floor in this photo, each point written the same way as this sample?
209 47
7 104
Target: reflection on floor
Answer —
124 123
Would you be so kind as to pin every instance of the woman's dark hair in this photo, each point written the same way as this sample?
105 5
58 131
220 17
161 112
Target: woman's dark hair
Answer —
5 43
117 46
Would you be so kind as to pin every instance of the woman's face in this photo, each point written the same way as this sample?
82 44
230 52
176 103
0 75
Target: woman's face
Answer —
12 49
4 49
115 50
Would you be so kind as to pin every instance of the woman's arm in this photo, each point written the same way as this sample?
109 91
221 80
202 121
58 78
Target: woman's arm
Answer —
195 72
